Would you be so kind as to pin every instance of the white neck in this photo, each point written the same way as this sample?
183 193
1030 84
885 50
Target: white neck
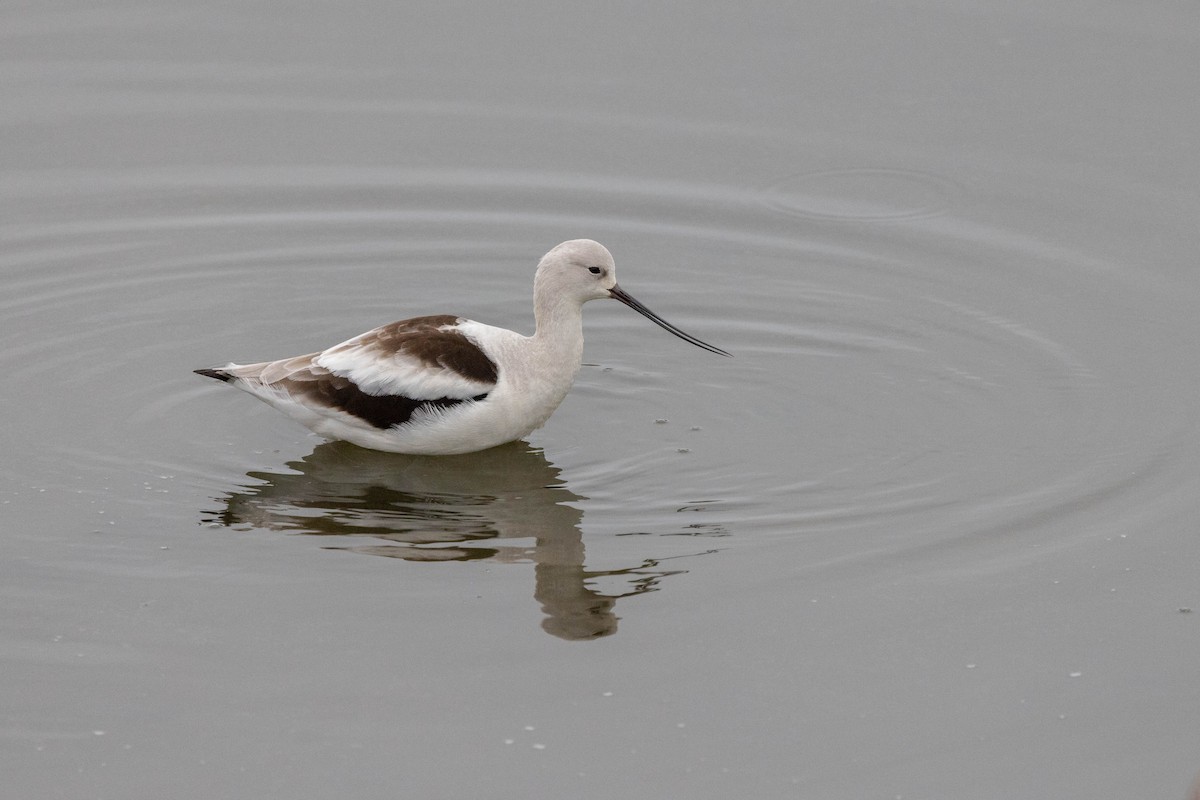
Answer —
559 327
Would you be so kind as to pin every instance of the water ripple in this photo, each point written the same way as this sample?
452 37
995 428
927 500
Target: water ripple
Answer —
904 371
862 194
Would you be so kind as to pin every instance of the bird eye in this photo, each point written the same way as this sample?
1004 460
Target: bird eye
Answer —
594 270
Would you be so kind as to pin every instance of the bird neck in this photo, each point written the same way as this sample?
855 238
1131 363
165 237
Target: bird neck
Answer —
559 326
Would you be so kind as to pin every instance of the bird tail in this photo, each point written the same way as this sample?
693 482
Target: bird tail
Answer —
219 374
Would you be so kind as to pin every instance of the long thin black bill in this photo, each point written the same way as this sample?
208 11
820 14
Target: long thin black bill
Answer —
620 294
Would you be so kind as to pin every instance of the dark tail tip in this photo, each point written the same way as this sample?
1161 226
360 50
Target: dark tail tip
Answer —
219 374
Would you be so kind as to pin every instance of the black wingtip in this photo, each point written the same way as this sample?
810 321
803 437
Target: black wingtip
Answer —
219 374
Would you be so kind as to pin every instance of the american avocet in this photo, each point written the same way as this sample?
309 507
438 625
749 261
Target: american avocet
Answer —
443 384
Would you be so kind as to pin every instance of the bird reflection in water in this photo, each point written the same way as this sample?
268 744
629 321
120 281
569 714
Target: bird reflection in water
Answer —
448 508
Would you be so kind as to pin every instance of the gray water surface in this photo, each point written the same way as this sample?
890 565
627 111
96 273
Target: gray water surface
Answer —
930 534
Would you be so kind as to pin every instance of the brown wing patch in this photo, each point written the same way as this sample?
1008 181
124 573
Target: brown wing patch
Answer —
319 387
425 339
